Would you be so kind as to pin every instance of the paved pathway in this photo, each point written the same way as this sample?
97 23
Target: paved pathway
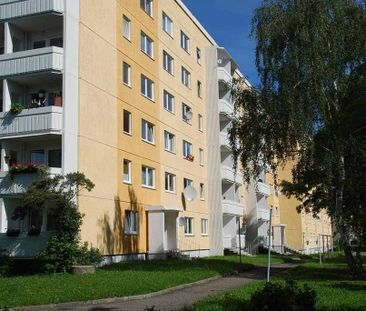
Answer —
167 300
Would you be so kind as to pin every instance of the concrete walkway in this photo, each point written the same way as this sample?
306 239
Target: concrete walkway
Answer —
170 299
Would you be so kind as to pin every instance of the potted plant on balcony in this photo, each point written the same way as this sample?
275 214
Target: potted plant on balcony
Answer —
190 158
16 108
27 168
11 232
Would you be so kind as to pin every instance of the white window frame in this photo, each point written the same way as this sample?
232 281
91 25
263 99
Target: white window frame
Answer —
128 67
126 25
126 112
166 22
129 166
185 113
198 55
202 191
146 127
168 100
187 149
186 77
201 157
168 62
188 226
200 122
147 42
187 182
169 181
204 226
145 84
131 222
199 89
169 142
147 6
148 170
184 42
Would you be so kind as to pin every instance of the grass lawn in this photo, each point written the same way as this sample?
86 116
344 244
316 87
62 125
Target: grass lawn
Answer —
336 291
260 259
124 279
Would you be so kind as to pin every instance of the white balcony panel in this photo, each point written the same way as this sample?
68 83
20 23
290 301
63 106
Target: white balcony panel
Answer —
31 7
263 214
232 208
31 61
224 140
226 108
36 121
228 174
223 74
20 182
263 189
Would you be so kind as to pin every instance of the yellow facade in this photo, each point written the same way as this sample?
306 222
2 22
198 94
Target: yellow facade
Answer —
103 146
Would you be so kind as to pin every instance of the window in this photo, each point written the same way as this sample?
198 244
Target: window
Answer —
169 141
168 62
131 222
188 226
38 157
168 101
127 171
204 226
187 182
57 42
147 87
200 122
147 131
167 25
169 182
126 27
39 44
198 56
202 191
148 177
201 157
199 89
127 122
54 158
186 77
147 6
184 41
147 45
126 74
186 113
187 149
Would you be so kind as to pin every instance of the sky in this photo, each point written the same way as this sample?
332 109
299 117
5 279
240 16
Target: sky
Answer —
229 23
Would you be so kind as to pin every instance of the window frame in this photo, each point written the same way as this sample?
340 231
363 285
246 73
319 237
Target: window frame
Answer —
199 88
131 220
168 95
129 114
128 66
200 122
204 226
185 110
170 177
172 150
129 165
189 226
144 40
198 55
168 63
185 43
126 20
148 7
186 77
201 156
148 169
164 24
185 149
202 191
187 182
145 131
145 85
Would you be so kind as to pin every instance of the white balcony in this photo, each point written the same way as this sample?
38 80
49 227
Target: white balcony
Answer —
20 9
228 174
31 61
232 208
224 140
226 108
31 122
263 214
19 183
224 75
263 189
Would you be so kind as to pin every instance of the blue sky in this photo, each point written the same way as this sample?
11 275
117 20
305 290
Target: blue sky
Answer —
233 32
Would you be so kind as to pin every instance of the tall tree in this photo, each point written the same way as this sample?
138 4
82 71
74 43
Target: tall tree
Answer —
310 106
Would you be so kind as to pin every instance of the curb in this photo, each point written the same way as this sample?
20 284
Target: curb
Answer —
71 305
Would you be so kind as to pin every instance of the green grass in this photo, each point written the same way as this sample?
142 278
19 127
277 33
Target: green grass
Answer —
260 259
336 290
124 279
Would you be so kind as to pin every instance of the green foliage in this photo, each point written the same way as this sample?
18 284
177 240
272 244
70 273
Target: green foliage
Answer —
283 297
16 108
309 107
59 193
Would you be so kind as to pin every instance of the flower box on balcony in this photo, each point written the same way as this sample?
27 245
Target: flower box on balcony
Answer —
27 168
190 158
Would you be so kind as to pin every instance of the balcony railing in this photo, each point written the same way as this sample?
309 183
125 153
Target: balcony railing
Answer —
263 189
232 208
31 61
228 174
36 121
18 183
20 9
263 214
224 140
224 75
226 108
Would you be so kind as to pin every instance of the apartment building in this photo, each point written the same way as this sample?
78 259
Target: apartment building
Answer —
123 91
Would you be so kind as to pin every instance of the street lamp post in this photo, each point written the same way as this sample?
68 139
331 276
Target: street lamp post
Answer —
269 246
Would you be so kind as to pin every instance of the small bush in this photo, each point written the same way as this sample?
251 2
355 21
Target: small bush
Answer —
283 297
16 108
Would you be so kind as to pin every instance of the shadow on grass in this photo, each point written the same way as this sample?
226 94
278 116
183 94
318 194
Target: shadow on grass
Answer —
341 308
311 273
350 286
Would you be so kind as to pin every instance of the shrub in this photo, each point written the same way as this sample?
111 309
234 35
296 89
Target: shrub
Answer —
283 297
16 108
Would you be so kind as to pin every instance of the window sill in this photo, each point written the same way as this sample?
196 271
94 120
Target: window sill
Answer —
170 35
127 133
172 152
127 182
150 99
149 56
170 111
171 73
189 234
128 39
148 187
204 234
148 142
170 192
189 123
127 85
131 233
